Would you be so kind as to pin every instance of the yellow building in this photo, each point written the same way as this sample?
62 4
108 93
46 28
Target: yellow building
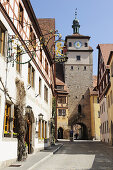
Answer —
95 111
62 110
109 96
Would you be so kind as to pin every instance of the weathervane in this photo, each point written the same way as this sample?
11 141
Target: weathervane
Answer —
76 13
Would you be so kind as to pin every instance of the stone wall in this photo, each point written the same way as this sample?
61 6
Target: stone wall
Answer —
78 80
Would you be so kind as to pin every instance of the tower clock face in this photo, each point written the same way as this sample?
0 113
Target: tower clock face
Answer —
77 44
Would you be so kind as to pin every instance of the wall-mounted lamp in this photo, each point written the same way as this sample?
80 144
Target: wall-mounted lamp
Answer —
28 109
40 116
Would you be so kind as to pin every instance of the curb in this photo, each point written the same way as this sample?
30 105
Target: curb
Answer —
48 156
58 148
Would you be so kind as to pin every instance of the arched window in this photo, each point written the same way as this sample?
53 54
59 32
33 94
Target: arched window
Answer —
79 108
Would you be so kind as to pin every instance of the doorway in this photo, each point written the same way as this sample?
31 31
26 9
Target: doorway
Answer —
60 133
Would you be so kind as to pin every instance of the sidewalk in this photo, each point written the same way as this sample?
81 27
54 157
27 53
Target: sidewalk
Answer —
34 159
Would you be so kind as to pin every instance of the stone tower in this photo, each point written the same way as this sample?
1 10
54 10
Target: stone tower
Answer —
78 72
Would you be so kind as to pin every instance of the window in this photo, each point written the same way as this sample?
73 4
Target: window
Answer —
86 44
31 74
71 67
70 44
61 112
78 57
40 82
46 66
15 121
45 129
32 39
40 55
7 118
111 97
62 100
2 40
60 87
84 67
45 93
20 15
79 108
34 42
32 77
98 114
97 99
82 96
108 101
18 60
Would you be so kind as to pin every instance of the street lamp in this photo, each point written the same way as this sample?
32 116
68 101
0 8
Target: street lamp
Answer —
28 109
40 116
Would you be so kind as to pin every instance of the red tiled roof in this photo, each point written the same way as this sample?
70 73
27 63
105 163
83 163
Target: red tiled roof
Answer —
61 83
47 25
105 50
77 36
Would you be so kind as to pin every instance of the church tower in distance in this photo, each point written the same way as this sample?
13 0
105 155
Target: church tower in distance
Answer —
78 74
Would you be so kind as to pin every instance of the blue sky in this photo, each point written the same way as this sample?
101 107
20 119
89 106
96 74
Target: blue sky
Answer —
95 17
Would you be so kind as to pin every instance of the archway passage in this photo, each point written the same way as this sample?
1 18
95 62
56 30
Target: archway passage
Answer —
60 133
80 131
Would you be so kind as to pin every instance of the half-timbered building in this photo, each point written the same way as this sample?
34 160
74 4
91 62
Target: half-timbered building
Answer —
103 82
26 82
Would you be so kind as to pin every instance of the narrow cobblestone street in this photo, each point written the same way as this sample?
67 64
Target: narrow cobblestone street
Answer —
80 155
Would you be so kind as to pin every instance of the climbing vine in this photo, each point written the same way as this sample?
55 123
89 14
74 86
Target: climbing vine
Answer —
20 95
53 107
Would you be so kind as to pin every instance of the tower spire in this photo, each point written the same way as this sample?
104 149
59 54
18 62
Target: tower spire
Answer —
76 24
76 13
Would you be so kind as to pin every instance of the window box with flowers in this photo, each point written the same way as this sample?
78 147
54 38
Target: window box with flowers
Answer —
8 134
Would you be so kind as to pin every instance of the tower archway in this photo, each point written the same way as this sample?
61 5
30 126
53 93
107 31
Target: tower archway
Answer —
80 131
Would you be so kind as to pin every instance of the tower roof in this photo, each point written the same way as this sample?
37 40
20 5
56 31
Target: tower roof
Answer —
78 36
76 24
105 50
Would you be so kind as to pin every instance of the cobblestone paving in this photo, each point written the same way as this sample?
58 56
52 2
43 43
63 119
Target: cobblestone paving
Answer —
80 156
